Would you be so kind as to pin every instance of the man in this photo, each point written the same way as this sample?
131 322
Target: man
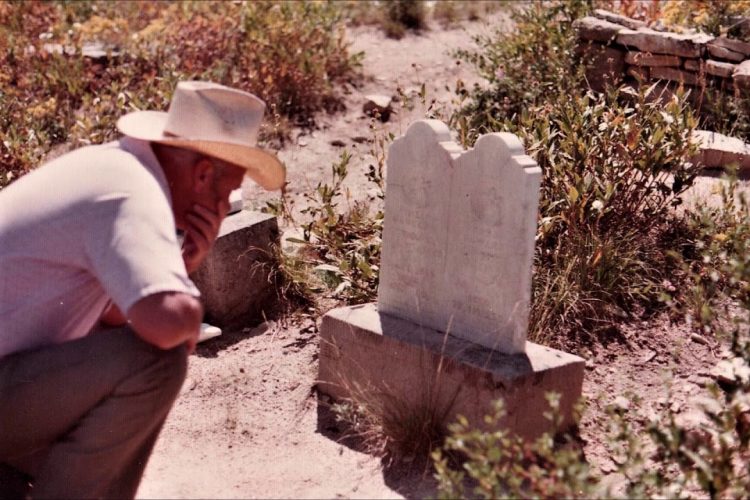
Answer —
92 236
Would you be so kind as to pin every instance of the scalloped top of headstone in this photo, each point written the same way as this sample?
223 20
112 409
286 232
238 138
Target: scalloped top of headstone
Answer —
458 235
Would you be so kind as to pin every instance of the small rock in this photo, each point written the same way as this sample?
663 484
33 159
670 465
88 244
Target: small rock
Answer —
338 143
731 371
360 139
648 357
301 143
622 403
378 106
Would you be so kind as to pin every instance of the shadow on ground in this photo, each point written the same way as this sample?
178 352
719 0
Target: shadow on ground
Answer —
409 478
229 338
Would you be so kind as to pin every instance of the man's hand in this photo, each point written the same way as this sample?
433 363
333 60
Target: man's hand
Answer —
200 235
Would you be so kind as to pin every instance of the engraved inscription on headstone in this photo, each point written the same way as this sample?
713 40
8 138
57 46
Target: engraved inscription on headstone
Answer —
458 236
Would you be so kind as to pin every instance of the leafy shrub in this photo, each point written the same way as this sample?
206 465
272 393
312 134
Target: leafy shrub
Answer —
402 15
604 161
293 55
717 17
524 67
501 465
340 247
720 242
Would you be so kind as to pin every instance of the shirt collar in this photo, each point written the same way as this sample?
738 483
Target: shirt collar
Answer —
145 154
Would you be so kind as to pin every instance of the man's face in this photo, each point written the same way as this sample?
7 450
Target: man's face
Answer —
225 179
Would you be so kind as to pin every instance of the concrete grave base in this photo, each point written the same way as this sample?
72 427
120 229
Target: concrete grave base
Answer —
236 279
367 354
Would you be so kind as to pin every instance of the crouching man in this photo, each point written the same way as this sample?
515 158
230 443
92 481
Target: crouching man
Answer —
92 236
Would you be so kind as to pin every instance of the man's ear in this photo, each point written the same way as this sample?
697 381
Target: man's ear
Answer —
203 174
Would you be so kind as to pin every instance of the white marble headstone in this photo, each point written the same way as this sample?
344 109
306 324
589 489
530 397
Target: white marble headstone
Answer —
458 235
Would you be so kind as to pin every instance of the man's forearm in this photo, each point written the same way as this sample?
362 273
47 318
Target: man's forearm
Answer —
167 319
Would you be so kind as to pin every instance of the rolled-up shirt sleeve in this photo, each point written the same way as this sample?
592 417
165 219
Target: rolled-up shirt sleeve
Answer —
132 246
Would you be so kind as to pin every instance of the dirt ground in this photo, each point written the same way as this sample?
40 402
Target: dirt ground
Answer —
248 422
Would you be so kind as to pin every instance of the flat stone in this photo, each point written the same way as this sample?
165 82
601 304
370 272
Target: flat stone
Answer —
741 75
597 30
604 65
719 151
718 68
383 360
236 279
646 59
724 53
674 75
648 40
732 44
458 235
628 22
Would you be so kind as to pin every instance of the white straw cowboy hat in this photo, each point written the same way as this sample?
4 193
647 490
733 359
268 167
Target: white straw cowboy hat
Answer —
215 120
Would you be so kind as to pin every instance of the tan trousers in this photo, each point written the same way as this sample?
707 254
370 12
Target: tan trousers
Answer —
80 419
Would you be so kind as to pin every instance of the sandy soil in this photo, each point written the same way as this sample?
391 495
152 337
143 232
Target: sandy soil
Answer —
248 423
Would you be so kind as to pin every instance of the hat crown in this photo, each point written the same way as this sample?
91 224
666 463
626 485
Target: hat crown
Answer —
212 112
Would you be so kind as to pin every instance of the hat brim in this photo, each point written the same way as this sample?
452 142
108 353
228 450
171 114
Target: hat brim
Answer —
263 167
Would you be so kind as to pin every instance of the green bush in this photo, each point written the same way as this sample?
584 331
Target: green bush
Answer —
339 253
524 67
605 160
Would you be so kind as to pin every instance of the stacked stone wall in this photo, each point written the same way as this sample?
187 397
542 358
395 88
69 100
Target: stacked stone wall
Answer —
617 49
